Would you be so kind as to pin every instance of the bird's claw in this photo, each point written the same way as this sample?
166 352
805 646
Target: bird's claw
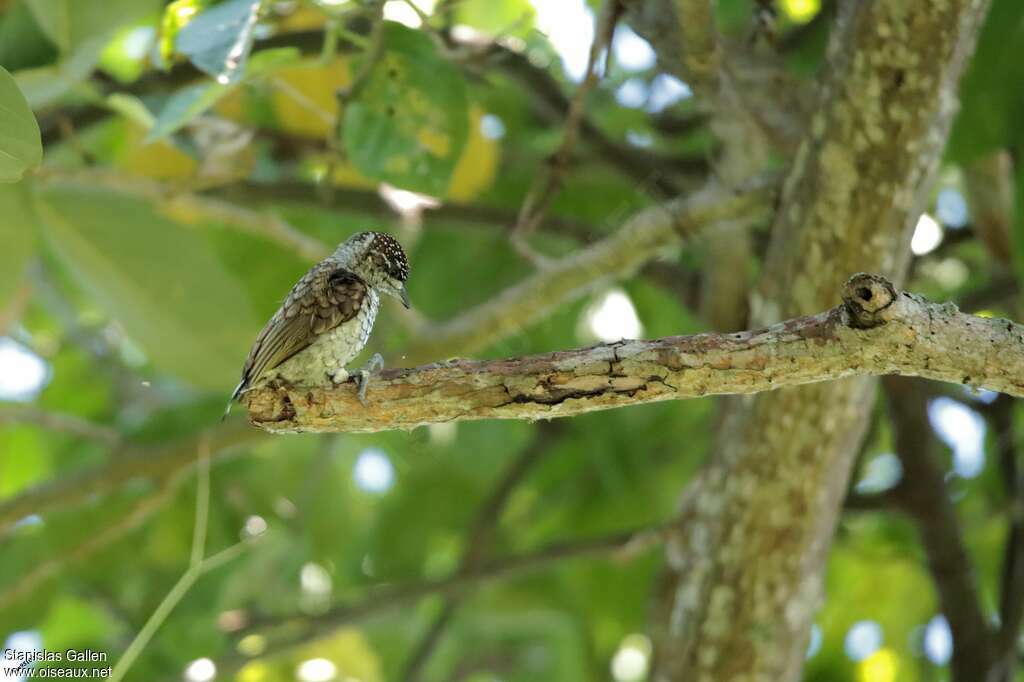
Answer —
362 377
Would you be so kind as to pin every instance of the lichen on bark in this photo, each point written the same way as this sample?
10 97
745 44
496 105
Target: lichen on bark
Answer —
766 505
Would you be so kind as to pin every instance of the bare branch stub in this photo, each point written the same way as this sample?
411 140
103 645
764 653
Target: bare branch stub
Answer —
867 298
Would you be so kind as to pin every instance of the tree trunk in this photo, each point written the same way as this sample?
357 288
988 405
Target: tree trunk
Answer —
744 579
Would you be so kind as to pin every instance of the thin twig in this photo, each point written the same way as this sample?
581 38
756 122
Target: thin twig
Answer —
479 540
624 545
60 422
546 185
373 54
202 503
198 565
134 517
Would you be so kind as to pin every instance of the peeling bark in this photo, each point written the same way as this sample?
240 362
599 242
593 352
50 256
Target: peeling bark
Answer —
874 331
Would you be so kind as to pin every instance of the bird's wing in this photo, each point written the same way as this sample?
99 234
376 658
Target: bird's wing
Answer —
325 297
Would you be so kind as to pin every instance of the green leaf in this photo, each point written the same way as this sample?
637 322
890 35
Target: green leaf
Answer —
512 17
44 85
132 108
158 278
22 43
410 122
72 23
19 238
21 147
990 92
219 39
186 104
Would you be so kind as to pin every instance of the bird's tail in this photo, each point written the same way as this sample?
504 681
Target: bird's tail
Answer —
234 396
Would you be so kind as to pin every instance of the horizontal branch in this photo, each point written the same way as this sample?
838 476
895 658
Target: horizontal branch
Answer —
875 331
61 422
139 462
642 238
622 545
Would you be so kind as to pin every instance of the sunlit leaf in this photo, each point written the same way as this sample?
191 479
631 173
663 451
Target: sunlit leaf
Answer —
21 147
157 278
176 16
514 17
72 23
409 124
24 457
218 40
186 104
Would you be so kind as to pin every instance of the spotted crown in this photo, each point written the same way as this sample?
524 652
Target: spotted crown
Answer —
387 256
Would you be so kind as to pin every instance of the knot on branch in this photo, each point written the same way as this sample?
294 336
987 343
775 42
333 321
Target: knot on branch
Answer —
867 298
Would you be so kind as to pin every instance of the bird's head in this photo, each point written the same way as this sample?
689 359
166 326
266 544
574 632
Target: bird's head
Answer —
379 259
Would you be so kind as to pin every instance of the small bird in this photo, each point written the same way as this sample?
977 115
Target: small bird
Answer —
328 315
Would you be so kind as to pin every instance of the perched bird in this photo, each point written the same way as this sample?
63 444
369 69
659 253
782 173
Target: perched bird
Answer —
328 315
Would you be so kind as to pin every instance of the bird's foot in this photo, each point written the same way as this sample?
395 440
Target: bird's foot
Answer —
276 383
362 377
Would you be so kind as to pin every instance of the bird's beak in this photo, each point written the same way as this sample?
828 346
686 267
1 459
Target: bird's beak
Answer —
405 296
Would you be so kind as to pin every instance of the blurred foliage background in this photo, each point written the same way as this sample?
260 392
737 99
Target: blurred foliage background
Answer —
199 155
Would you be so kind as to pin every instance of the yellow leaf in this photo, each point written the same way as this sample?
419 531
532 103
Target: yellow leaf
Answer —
304 102
159 160
478 164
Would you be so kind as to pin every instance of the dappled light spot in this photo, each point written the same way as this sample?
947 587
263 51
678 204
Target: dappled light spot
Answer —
863 639
201 670
938 640
881 473
255 526
814 641
927 235
252 645
881 666
492 127
400 11
632 659
611 317
406 203
800 11
639 139
23 374
572 46
632 93
632 52
314 579
951 208
316 670
373 471
963 430
666 90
